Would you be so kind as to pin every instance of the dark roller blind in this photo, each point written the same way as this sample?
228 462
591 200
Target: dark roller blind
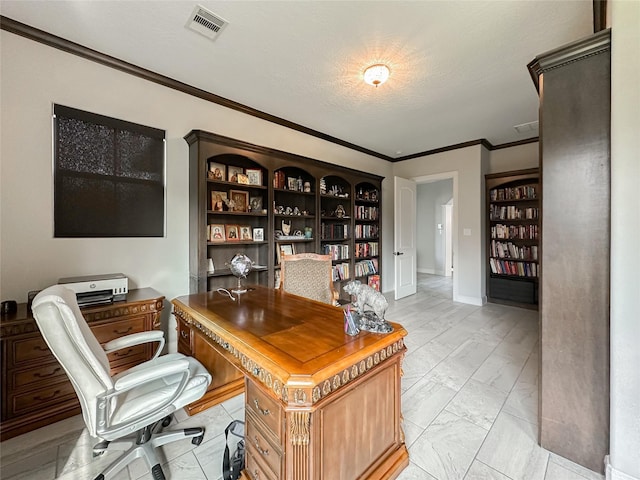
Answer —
108 176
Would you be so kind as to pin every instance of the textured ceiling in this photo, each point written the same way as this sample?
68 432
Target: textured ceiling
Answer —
458 68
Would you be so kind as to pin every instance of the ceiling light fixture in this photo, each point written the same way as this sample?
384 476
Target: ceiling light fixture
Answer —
376 74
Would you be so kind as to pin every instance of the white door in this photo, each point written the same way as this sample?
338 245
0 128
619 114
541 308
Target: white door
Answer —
404 243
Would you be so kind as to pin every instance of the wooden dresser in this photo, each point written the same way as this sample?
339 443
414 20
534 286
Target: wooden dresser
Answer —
35 388
320 404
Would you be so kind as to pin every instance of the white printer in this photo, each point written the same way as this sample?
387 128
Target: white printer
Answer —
98 289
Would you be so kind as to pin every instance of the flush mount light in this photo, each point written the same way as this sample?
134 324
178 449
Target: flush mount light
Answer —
376 74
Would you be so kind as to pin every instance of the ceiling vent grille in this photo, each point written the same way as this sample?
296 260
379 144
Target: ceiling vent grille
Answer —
206 22
527 127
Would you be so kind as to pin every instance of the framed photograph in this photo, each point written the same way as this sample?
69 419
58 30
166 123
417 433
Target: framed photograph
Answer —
285 249
231 231
243 179
245 232
218 201
254 175
217 171
240 200
255 204
232 173
258 234
216 233
292 183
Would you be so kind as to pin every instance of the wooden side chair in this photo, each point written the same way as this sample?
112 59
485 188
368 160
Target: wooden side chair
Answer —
308 275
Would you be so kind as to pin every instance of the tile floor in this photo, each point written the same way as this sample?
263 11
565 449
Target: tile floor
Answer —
470 390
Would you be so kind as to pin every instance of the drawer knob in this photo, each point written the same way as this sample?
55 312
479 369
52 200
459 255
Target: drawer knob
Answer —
41 349
122 354
184 334
262 411
256 475
260 450
123 332
45 375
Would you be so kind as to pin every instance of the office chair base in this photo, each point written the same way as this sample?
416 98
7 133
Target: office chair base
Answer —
144 445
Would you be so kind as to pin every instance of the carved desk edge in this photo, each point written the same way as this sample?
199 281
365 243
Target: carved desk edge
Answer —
92 314
301 396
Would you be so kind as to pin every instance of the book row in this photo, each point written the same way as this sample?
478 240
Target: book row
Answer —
368 249
340 272
506 267
525 192
511 212
366 213
337 252
509 250
331 231
366 267
366 231
521 232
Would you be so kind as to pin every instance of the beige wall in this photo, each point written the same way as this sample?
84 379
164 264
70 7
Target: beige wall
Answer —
514 158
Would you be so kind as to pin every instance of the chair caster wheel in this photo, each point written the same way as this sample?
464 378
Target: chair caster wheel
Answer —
197 440
98 453
166 421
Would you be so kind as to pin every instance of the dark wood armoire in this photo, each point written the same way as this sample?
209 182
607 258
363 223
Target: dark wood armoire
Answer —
574 84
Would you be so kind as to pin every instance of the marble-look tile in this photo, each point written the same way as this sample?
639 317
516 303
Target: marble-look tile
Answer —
447 447
477 403
34 469
512 448
420 361
95 467
560 465
186 466
424 401
480 471
499 371
411 432
414 472
210 455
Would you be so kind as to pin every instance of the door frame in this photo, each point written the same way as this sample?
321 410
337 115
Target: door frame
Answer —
454 222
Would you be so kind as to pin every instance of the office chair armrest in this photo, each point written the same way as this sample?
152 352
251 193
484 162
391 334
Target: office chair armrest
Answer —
143 375
136 339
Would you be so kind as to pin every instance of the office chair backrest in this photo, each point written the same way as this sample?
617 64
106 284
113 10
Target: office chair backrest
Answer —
74 345
308 275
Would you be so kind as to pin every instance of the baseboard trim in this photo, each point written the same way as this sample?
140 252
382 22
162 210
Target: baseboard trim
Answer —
478 301
611 473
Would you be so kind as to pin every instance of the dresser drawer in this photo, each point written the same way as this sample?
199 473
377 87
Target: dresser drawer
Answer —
262 448
29 349
184 337
127 357
41 374
21 402
265 408
254 469
106 332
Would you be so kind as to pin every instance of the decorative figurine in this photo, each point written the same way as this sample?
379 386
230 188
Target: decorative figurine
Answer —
340 212
286 229
296 211
323 186
307 187
372 321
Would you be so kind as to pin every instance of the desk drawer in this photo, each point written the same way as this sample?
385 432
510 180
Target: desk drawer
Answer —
262 447
184 337
254 468
265 408
21 402
39 374
127 357
111 330
30 349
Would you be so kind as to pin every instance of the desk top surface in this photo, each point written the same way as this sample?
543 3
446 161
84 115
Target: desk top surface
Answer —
295 334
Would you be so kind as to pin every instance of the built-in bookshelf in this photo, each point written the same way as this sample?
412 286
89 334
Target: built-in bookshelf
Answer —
262 202
513 218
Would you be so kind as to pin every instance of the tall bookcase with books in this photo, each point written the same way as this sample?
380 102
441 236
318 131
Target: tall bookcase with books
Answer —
245 198
513 222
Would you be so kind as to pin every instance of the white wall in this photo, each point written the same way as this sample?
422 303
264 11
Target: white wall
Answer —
469 282
625 238
430 241
35 76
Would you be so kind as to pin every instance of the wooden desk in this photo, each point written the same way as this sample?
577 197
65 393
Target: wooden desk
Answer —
319 404
35 389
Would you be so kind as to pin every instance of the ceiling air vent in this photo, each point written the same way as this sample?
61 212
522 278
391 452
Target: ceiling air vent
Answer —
527 127
206 23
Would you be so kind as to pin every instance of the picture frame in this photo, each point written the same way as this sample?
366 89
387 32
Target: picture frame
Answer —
231 232
292 183
255 204
258 234
243 179
217 171
217 233
254 175
240 199
232 173
286 249
218 201
245 233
